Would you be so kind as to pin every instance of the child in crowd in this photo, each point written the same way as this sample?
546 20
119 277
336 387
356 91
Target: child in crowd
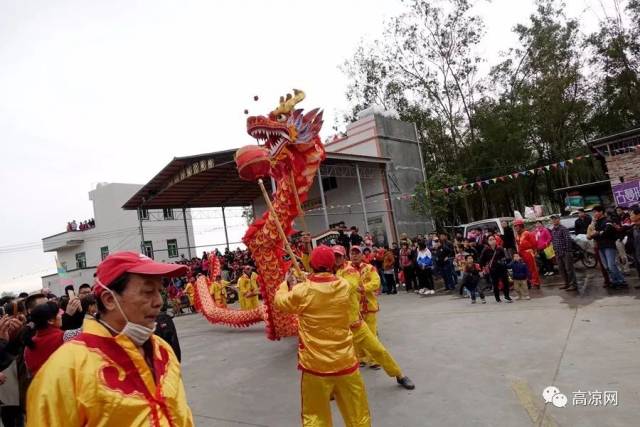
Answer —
520 275
471 279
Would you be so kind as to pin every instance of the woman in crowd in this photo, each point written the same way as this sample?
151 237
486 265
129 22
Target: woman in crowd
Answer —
543 237
492 261
44 335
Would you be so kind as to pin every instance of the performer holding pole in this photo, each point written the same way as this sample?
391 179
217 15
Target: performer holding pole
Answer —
326 355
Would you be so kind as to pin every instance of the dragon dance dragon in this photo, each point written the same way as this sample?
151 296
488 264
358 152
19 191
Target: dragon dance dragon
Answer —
295 153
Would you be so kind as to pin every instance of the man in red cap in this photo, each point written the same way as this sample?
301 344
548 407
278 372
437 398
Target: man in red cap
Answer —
527 245
364 340
116 362
326 355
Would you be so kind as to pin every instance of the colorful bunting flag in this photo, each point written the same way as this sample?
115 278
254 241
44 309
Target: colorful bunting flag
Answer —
563 164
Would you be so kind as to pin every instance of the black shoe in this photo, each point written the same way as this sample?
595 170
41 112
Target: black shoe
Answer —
375 367
406 383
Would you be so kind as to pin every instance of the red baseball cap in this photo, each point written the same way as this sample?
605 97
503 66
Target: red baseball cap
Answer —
118 263
322 257
518 221
356 248
340 250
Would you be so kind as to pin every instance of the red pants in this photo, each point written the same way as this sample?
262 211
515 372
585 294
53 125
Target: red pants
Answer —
530 260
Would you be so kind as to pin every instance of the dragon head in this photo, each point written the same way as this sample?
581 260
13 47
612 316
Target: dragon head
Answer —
286 132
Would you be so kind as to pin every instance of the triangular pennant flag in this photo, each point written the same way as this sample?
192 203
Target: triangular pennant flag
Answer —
531 171
570 161
502 178
446 190
510 176
579 157
548 167
539 168
486 181
479 184
562 164
586 156
494 180
459 187
554 165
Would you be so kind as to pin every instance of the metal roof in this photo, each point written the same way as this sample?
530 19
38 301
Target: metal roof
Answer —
211 180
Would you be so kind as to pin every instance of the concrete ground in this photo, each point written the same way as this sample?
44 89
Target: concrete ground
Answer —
473 365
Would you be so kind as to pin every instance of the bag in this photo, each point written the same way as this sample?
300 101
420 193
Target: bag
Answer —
549 252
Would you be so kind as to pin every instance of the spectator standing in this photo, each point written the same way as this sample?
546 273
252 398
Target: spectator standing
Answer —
448 271
508 239
605 236
543 239
582 223
562 246
492 260
388 264
407 264
44 336
343 238
424 269
355 238
633 238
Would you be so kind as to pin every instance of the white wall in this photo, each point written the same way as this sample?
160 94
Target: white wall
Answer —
118 230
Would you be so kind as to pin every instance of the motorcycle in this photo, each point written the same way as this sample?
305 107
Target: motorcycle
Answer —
587 258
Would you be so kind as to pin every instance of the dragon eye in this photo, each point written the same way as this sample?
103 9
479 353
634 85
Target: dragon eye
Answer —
282 117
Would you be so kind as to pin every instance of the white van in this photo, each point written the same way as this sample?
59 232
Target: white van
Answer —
491 223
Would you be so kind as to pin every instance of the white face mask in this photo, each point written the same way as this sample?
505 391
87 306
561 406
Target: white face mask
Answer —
139 334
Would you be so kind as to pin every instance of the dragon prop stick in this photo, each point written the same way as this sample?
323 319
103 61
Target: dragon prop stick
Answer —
291 147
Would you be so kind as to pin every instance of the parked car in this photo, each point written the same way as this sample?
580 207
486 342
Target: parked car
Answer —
490 223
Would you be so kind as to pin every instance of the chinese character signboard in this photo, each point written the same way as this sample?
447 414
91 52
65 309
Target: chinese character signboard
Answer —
627 194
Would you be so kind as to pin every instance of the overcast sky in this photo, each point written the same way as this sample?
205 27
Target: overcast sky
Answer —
110 91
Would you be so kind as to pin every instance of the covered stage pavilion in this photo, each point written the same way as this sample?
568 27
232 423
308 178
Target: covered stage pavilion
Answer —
349 188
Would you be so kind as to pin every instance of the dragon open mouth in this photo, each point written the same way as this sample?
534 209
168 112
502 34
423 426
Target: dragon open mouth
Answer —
274 138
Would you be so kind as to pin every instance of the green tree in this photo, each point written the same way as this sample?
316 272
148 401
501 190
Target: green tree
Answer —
616 48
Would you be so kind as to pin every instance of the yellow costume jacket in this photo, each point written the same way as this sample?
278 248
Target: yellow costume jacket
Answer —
190 291
325 341
218 291
369 287
352 276
101 380
246 284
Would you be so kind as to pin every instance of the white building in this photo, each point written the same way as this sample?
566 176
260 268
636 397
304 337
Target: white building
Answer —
162 234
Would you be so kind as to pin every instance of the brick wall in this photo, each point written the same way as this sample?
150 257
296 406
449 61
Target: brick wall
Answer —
625 165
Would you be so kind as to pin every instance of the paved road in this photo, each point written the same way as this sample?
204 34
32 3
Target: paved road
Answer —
474 365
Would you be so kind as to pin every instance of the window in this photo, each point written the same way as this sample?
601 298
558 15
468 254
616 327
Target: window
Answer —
167 213
143 214
81 260
104 252
329 183
147 249
172 248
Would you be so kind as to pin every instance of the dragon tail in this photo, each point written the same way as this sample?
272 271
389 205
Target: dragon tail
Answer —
225 316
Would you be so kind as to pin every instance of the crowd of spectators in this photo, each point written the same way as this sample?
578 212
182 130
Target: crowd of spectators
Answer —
81 226
33 327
